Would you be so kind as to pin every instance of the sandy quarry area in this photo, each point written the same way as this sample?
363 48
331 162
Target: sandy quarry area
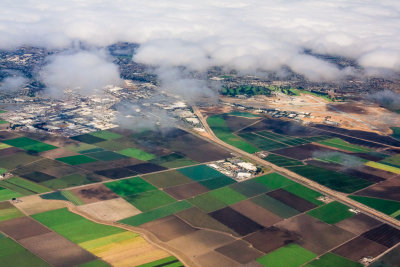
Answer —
349 115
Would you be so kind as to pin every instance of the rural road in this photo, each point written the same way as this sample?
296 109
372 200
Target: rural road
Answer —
298 178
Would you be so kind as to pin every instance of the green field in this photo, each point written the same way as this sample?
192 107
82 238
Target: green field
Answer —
223 132
333 260
76 160
2 111
157 213
217 182
207 202
15 188
261 142
3 122
274 181
7 194
393 161
305 193
291 255
282 161
166 262
384 167
290 140
274 206
396 132
107 135
150 200
227 195
72 198
13 254
341 158
74 227
88 139
249 188
389 207
332 213
130 186
91 150
25 184
137 154
70 180
3 170
200 172
243 114
339 182
106 156
341 144
29 144
54 195
8 212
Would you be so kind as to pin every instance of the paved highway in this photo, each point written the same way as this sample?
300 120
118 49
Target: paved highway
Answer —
298 178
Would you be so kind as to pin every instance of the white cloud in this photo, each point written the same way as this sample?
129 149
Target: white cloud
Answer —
246 35
13 83
86 72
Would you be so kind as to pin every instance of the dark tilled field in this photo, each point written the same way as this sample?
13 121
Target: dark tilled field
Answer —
302 152
361 134
358 224
317 236
60 171
9 151
377 172
22 227
236 221
167 179
100 165
386 192
116 173
359 248
363 175
168 228
57 250
186 190
8 135
384 234
146 168
326 165
272 238
200 219
237 123
38 176
94 193
240 251
256 213
283 127
291 200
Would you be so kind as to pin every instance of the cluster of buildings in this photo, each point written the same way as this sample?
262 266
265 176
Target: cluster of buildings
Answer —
236 168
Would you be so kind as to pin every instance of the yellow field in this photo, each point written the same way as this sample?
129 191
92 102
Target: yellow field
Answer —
124 249
3 146
384 167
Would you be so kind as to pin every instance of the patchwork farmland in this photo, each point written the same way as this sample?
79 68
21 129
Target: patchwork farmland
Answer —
126 198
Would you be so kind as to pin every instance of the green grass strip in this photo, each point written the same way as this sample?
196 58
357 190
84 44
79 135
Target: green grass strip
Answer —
72 197
291 255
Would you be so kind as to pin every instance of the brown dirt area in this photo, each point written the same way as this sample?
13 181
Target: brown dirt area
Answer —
271 238
56 250
200 242
240 251
23 227
169 228
35 204
58 153
291 200
186 190
256 213
94 193
316 236
199 219
110 210
167 179
358 248
214 258
358 224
